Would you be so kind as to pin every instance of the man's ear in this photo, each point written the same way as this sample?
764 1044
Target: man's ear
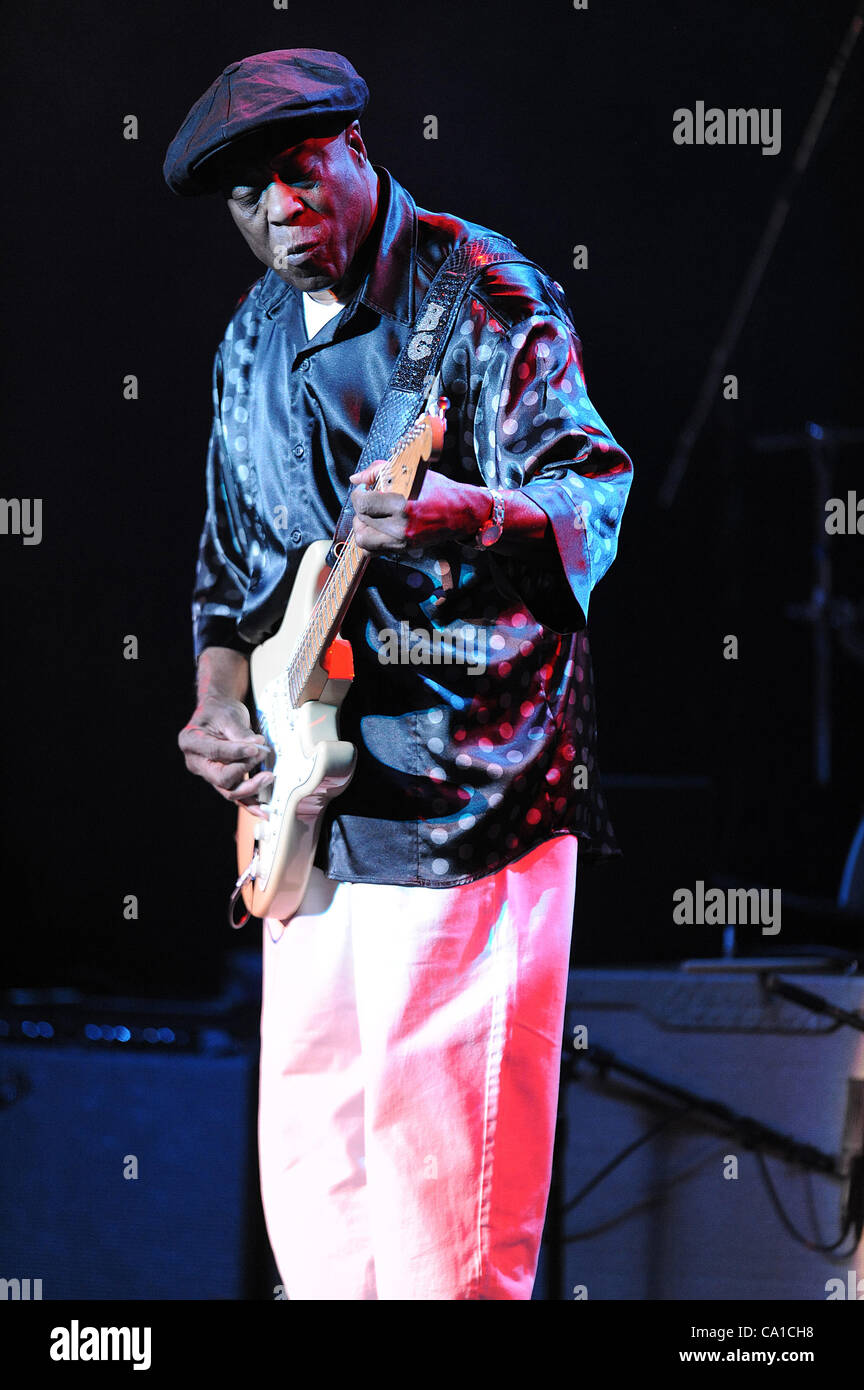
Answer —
354 141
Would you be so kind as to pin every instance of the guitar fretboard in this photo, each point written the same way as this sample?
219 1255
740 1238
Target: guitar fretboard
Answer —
338 590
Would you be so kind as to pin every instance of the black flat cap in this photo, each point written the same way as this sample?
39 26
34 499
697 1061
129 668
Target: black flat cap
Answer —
297 92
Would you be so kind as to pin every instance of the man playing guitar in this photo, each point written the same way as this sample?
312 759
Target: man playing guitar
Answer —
413 1005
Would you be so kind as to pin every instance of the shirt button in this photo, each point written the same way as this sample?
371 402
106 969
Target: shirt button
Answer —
296 535
299 451
304 365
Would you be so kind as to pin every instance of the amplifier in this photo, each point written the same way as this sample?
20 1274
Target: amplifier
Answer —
128 1166
687 1213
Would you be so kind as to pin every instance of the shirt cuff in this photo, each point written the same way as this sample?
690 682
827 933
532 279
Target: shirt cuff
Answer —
216 631
559 594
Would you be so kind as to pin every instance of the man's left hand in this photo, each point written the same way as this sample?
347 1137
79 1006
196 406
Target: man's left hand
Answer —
386 522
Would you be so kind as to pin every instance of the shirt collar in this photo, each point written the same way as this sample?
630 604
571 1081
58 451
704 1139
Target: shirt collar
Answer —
388 287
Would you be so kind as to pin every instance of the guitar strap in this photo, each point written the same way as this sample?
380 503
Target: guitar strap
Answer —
417 365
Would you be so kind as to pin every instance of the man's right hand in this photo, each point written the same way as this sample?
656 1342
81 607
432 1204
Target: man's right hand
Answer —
219 745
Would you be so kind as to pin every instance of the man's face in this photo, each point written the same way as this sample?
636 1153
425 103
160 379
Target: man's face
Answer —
305 210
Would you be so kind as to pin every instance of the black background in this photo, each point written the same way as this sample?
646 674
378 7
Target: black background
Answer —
555 127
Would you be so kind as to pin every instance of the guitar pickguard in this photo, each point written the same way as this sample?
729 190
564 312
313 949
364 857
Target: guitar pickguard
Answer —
293 766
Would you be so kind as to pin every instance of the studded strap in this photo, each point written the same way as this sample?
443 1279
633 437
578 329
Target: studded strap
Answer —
418 363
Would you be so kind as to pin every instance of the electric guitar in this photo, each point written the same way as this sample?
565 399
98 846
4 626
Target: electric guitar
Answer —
299 678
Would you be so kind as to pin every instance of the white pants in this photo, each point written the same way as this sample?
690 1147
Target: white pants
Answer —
410 1051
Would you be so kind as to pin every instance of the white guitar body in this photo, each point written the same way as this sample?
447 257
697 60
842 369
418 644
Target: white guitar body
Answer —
300 677
312 764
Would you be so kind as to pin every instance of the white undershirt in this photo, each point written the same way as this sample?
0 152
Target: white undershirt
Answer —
317 314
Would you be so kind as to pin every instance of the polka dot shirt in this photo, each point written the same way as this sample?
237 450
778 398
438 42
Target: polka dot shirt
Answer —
472 707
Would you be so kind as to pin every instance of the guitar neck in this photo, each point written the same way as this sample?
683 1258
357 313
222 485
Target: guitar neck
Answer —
326 617
403 473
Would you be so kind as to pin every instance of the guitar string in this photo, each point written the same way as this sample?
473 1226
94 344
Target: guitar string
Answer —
343 574
340 579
